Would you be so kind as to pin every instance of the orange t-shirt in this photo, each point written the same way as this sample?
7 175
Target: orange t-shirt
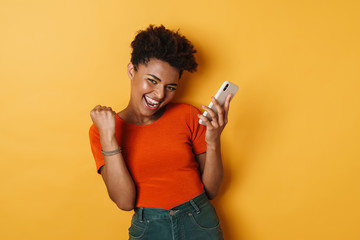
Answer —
160 156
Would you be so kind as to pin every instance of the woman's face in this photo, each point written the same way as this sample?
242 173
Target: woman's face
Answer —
152 86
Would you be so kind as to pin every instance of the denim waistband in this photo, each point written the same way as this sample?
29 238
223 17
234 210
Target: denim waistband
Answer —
160 213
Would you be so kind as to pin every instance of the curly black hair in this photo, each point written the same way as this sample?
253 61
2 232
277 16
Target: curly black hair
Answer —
163 44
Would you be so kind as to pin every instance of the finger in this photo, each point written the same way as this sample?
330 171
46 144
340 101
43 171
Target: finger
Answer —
227 106
206 121
113 113
94 110
108 111
212 114
96 107
220 111
103 108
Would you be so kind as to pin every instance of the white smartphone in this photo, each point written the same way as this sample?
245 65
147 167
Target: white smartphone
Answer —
226 88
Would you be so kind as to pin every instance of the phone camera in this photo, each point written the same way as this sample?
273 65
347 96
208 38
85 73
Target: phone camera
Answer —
226 87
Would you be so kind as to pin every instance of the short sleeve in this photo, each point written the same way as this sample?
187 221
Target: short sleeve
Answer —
96 147
197 132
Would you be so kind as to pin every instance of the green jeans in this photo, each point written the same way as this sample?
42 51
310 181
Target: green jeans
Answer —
195 219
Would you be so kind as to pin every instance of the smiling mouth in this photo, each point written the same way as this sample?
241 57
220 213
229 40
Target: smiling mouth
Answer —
151 103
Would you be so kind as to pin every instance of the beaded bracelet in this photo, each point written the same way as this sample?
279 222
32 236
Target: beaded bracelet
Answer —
110 153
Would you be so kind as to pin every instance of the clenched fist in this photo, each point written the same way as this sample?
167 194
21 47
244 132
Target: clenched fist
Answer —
104 119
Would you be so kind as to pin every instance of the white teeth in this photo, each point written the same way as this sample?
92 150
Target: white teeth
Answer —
151 101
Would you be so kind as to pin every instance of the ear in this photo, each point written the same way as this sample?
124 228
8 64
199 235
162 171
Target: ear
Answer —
131 71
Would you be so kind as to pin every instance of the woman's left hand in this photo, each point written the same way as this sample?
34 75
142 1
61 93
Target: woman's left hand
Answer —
215 127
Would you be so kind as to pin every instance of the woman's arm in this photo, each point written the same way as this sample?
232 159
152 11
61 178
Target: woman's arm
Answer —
211 167
118 181
212 174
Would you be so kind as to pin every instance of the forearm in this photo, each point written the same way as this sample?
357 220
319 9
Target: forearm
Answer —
213 172
119 183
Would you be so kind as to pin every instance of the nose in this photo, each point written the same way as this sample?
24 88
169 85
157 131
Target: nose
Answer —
160 92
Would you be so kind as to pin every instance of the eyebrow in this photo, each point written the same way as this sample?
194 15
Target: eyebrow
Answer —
155 77
173 84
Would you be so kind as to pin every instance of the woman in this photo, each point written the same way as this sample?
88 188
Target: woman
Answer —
154 156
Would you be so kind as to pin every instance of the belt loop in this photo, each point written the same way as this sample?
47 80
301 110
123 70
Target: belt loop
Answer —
195 206
141 210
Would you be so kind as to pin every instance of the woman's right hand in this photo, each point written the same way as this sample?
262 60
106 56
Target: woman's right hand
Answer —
104 119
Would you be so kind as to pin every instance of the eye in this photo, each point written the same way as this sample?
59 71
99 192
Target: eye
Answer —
152 81
171 88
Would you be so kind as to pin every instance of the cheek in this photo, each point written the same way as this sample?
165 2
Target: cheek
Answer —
141 87
170 95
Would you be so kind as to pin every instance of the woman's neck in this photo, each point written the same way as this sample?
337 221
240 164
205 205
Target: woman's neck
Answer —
130 115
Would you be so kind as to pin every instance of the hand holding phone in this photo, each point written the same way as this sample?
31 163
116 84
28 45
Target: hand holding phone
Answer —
225 89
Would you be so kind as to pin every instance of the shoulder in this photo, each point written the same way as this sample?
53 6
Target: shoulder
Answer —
183 107
184 111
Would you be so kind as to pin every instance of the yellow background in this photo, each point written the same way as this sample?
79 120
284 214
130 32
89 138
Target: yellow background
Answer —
291 148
